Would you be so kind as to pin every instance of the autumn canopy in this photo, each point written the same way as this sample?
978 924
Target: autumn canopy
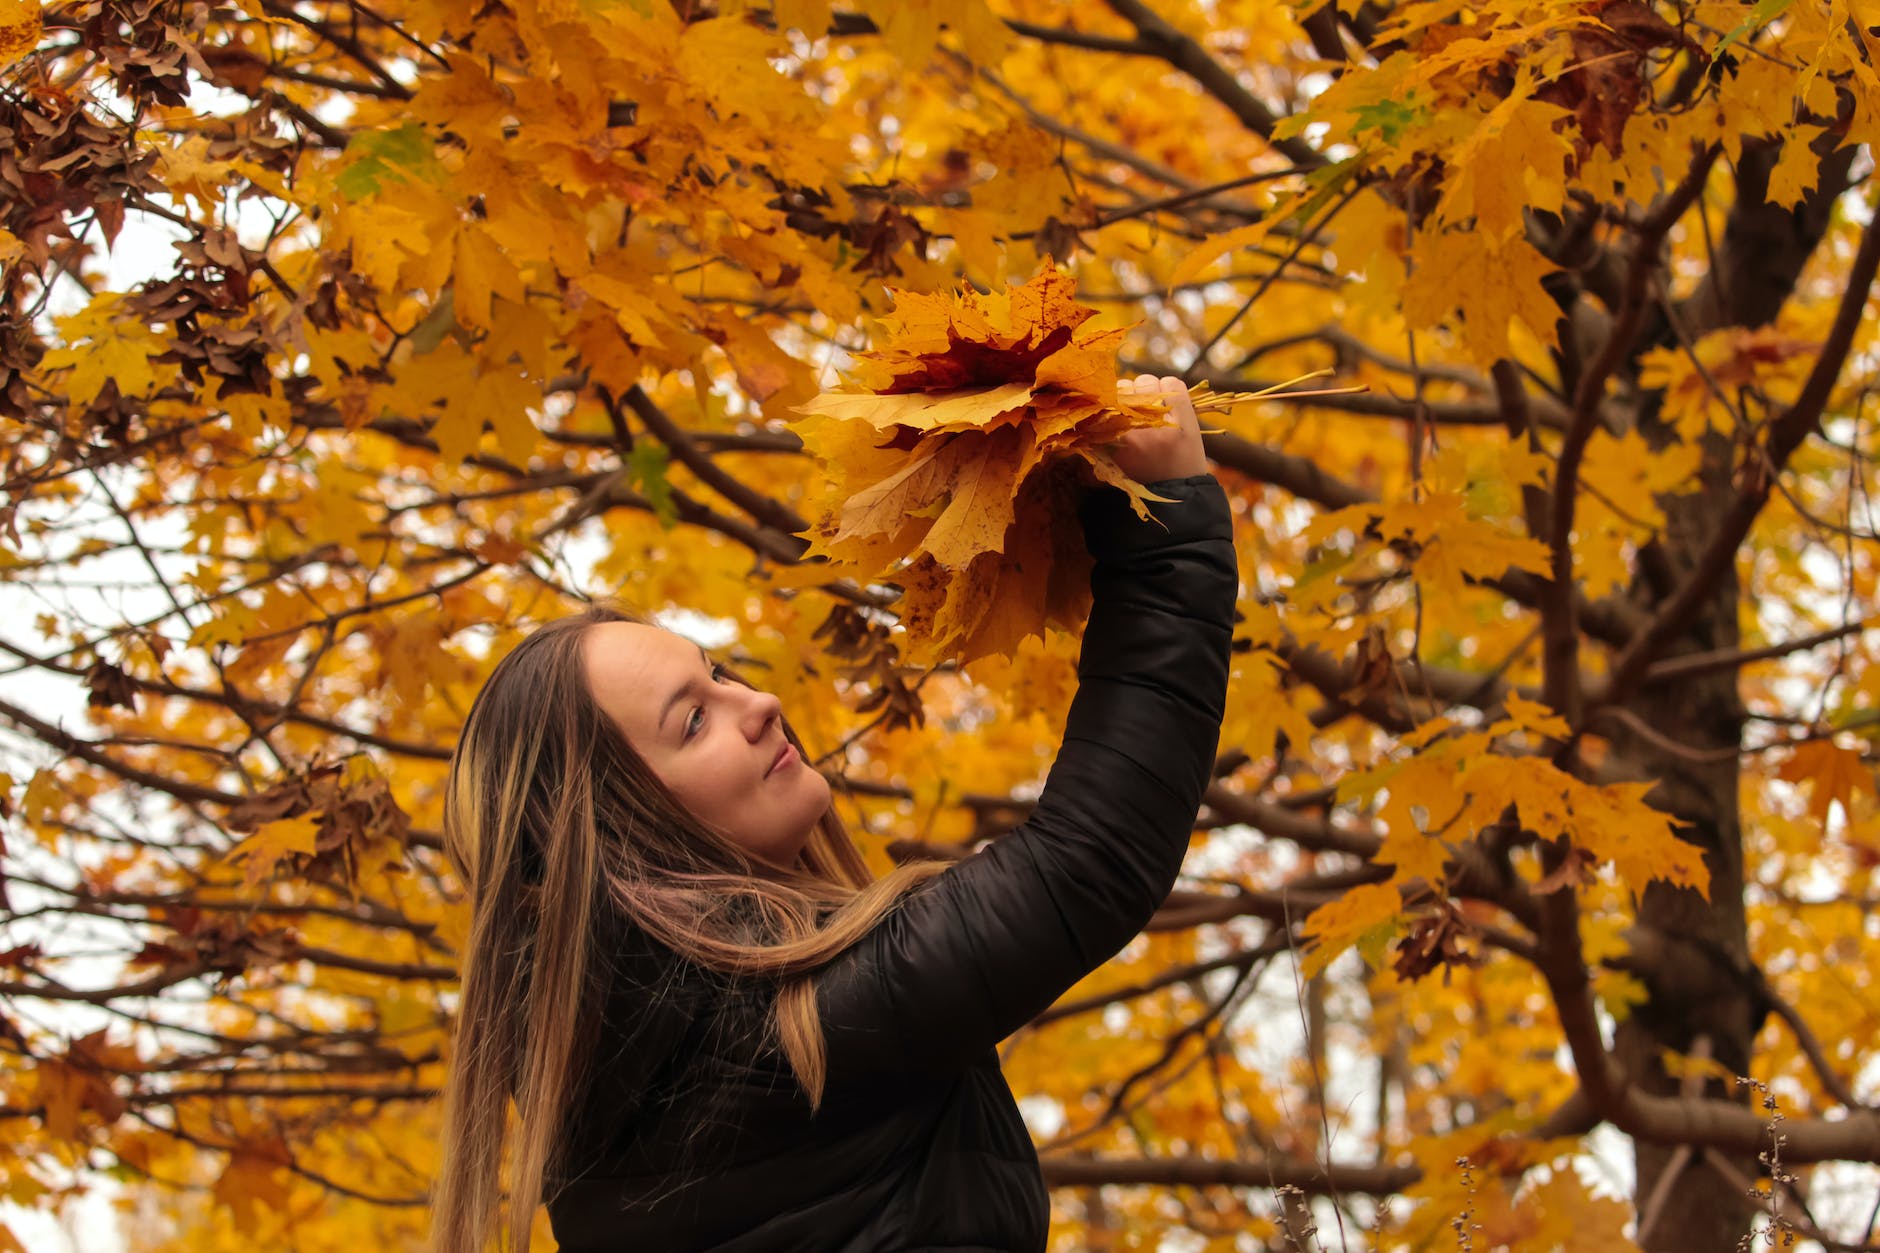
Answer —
341 344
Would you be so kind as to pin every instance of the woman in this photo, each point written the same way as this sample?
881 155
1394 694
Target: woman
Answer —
717 1031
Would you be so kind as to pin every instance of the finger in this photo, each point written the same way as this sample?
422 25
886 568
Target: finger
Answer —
1175 394
1162 388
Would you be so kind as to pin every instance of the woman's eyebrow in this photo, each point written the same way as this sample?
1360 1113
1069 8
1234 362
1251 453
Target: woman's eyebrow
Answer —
680 695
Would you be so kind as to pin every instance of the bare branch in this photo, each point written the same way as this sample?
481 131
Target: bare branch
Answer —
1216 79
771 513
1268 1171
1302 477
86 750
1693 664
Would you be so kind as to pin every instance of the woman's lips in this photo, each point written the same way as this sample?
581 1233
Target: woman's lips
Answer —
785 755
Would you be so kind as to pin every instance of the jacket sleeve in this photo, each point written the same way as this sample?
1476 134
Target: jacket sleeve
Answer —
981 949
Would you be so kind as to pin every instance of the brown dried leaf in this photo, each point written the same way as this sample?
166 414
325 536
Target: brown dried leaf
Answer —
1441 938
110 688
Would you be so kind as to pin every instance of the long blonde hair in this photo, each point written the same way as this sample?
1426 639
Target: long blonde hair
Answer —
556 826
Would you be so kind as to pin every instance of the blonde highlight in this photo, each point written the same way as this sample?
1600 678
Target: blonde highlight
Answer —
555 827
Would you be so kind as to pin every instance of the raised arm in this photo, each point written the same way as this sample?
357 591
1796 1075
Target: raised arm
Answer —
983 948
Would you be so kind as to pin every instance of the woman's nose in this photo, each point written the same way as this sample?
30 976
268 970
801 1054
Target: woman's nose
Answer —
761 710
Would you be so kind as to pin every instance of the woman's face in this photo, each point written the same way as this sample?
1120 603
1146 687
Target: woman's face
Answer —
716 744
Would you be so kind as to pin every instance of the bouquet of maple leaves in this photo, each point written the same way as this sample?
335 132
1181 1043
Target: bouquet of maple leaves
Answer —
954 462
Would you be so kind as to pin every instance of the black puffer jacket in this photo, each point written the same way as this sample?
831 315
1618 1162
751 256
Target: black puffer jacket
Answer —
693 1135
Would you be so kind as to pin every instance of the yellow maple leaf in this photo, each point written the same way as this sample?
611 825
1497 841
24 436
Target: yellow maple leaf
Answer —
1534 717
1040 578
1260 708
1796 170
981 505
19 29
1616 824
233 624
1515 160
912 28
707 47
1215 247
1488 285
273 843
1570 1219
62 1090
1415 854
101 346
1452 544
1475 548
503 398
483 270
809 16
1629 477
1336 925
1086 366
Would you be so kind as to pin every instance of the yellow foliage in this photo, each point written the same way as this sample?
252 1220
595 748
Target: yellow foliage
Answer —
280 494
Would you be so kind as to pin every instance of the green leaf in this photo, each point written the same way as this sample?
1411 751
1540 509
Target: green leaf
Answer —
1389 118
646 468
1374 945
1329 181
395 156
1765 12
439 322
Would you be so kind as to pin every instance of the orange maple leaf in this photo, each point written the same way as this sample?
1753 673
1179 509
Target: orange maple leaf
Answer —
947 461
1836 774
254 1180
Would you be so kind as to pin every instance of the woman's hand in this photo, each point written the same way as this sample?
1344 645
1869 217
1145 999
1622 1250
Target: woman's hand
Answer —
1171 451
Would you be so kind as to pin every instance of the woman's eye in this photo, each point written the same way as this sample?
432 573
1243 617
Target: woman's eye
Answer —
695 721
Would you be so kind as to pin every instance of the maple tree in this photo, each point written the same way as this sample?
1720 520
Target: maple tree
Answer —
1544 818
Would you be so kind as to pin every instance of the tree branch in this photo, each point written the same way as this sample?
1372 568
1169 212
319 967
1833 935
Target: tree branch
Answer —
1696 1121
1302 477
1070 38
1693 664
1559 628
1486 411
1270 1170
771 513
1314 834
1243 960
1168 43
52 990
85 750
1757 479
253 705
419 971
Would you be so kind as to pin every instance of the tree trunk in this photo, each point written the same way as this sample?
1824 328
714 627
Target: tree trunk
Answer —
1692 953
